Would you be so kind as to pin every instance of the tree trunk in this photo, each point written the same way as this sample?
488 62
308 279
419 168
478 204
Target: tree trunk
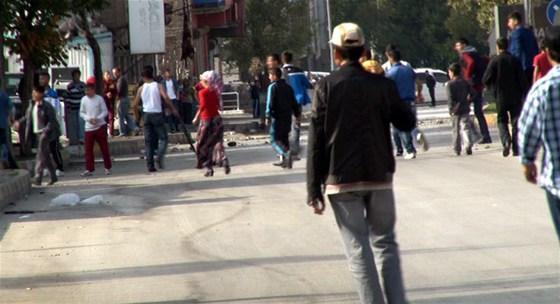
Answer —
97 69
26 86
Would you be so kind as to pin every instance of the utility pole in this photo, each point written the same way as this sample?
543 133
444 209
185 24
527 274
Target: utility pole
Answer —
329 24
528 5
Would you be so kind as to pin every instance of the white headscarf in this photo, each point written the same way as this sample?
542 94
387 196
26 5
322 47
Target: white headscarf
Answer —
214 80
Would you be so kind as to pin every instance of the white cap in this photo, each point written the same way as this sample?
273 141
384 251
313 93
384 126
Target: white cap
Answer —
348 35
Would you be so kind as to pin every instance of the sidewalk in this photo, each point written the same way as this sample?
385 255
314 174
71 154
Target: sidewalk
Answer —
14 185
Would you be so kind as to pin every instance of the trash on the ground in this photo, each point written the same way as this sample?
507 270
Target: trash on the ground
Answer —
65 199
24 216
94 200
19 212
232 144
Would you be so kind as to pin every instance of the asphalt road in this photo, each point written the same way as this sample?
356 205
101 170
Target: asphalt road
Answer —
470 229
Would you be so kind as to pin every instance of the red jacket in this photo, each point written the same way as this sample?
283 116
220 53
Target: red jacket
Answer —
209 103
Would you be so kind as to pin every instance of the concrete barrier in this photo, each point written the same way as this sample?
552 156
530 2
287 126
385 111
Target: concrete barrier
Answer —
14 185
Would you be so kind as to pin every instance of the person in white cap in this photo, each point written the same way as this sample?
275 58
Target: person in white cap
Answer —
350 160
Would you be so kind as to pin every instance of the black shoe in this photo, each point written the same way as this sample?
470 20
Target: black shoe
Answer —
400 153
209 173
505 152
515 153
227 168
458 153
54 179
152 169
469 150
485 142
37 181
160 164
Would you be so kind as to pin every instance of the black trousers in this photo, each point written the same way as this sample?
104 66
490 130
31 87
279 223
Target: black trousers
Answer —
432 91
508 114
5 141
54 147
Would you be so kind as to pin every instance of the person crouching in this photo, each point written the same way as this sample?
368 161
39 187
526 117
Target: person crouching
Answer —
94 112
281 105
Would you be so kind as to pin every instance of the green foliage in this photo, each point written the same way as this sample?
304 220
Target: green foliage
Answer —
273 26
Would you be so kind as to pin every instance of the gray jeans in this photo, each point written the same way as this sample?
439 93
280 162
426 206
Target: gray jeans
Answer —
126 123
367 221
465 133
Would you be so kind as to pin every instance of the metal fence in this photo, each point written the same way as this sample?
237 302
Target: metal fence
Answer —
231 101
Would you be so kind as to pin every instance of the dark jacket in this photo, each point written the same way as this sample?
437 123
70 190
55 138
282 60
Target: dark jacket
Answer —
51 130
459 96
281 102
506 80
350 130
523 45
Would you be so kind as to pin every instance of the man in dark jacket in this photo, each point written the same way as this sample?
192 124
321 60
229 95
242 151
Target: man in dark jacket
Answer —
473 66
431 84
281 105
523 44
350 159
40 123
506 80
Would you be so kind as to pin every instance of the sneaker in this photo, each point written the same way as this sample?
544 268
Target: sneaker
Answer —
409 156
107 171
59 173
421 138
86 173
280 163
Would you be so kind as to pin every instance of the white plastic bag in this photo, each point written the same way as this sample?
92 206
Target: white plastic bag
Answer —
65 199
94 200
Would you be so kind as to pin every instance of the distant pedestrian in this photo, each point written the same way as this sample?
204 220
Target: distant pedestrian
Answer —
40 125
51 97
93 111
171 88
405 80
473 66
538 128
255 92
541 64
431 84
350 160
281 105
76 90
506 80
523 44
109 95
188 101
7 160
297 79
211 128
459 96
152 95
126 123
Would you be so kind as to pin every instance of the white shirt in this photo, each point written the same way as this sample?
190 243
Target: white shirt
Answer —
170 89
151 98
93 107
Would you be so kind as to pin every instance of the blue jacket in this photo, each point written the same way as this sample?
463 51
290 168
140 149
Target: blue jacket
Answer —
405 79
523 45
298 81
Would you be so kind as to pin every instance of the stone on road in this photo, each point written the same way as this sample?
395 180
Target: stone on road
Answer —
470 229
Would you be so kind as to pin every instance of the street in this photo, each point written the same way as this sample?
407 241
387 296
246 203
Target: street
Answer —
471 230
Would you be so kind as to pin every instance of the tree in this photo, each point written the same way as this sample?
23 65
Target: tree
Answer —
34 26
273 26
82 15
3 23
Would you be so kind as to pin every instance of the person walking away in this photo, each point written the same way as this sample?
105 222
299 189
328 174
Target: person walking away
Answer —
171 88
538 128
51 97
7 160
155 134
126 123
459 96
431 84
41 123
506 79
297 79
211 128
350 157
76 90
281 105
541 64
473 67
523 44
93 110
405 80
256 98
109 95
